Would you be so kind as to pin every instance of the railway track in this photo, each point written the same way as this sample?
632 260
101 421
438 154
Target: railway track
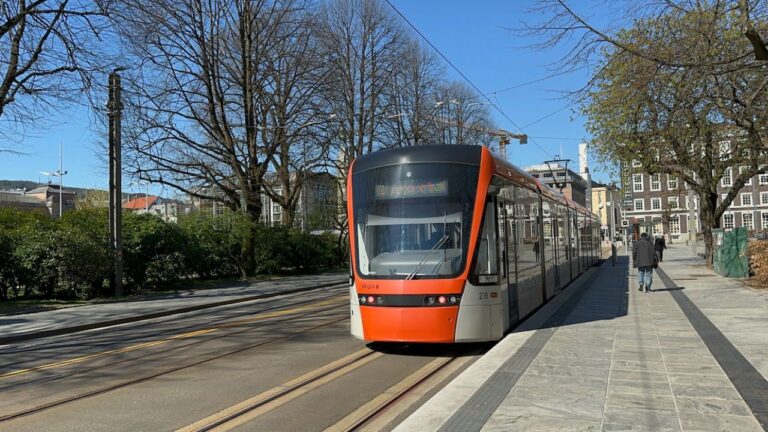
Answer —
380 410
105 389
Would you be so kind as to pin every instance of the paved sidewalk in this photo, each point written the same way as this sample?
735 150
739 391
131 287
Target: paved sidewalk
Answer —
604 356
16 328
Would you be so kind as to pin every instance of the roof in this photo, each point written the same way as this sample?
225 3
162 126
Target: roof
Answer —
51 189
140 203
446 153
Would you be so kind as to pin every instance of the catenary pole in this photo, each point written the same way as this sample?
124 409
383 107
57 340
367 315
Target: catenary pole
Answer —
114 107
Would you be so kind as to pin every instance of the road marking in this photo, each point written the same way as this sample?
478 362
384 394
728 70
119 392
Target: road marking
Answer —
311 378
171 339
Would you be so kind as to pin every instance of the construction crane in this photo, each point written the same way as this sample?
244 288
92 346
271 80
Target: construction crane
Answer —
505 136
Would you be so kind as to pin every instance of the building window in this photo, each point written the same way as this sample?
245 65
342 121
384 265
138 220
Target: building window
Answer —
746 221
671 182
765 220
655 203
674 226
763 178
746 199
725 149
743 169
728 221
637 182
636 164
672 202
727 180
764 198
655 182
639 204
658 229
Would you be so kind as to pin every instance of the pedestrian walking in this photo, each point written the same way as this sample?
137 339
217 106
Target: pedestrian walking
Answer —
644 260
660 245
536 248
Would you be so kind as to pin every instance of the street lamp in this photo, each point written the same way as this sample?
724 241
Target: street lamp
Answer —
60 173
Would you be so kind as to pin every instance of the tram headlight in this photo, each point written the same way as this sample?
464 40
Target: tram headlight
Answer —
362 299
371 299
453 299
442 300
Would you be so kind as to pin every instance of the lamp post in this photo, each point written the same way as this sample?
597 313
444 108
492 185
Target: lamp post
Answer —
60 173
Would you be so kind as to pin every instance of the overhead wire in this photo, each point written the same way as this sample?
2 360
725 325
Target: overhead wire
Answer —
472 84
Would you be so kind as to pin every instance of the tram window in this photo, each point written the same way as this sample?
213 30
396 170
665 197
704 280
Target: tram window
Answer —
487 258
413 221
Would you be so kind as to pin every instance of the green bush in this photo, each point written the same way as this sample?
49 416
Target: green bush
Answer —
153 252
71 258
214 244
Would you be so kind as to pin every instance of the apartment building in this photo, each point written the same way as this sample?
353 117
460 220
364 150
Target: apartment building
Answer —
659 204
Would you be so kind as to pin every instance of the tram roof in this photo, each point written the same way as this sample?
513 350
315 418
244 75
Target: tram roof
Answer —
447 153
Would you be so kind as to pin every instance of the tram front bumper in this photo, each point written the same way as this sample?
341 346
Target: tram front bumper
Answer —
436 324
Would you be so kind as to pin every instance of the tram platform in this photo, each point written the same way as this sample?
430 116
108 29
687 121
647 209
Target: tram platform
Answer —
692 355
22 327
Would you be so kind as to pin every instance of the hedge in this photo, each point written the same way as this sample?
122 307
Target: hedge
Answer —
70 258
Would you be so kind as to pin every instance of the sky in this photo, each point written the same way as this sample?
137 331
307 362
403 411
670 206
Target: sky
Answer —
474 36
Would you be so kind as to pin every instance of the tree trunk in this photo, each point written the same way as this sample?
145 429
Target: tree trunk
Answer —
708 222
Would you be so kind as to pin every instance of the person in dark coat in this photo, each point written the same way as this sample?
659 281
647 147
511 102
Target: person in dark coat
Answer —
644 259
660 245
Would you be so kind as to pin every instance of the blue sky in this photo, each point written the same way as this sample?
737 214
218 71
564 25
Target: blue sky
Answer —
471 34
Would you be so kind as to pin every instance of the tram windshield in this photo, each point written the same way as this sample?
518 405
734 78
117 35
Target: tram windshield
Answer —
413 221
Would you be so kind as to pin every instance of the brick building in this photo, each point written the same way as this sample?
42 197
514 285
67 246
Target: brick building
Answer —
660 204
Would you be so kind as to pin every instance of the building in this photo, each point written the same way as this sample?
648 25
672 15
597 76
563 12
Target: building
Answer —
316 206
165 208
556 174
606 204
659 204
43 198
19 199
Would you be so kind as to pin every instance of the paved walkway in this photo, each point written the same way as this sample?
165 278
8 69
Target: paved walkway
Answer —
604 356
14 328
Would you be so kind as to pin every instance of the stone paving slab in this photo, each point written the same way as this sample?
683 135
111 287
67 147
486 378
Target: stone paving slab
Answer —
623 360
81 317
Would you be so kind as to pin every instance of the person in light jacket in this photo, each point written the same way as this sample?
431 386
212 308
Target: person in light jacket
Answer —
644 260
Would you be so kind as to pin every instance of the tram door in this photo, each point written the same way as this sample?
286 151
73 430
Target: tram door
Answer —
508 255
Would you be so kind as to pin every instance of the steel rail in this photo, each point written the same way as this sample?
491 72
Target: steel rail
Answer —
99 391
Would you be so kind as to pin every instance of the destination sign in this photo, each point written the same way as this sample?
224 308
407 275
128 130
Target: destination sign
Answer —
412 189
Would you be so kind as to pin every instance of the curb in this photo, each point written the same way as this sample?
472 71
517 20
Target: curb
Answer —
21 337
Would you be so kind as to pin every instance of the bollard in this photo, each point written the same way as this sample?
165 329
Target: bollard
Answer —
613 254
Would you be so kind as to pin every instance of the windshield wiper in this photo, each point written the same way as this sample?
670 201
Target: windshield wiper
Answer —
429 255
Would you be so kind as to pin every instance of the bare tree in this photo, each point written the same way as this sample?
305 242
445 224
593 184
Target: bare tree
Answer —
411 97
295 121
48 52
461 118
202 105
361 42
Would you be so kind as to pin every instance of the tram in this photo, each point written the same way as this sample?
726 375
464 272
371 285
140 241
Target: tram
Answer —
450 243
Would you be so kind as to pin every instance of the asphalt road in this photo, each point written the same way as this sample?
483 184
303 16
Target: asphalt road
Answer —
174 372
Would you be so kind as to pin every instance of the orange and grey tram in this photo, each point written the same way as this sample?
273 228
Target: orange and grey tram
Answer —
450 243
